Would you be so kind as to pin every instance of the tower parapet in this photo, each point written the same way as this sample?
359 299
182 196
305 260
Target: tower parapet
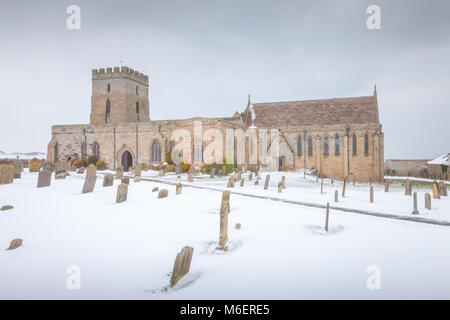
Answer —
120 72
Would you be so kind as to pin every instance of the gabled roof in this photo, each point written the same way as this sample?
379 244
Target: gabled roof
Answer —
340 111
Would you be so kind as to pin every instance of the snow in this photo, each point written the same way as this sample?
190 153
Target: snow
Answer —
444 159
22 156
127 250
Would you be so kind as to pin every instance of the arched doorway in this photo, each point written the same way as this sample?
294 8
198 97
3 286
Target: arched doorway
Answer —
127 160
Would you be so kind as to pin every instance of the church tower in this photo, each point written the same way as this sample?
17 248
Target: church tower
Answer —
119 95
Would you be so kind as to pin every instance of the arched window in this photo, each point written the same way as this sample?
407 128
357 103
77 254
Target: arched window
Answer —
96 150
336 145
108 111
137 110
354 145
366 145
310 146
109 87
198 151
325 146
299 145
156 151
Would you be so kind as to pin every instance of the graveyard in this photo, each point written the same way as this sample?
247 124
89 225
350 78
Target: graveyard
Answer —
179 236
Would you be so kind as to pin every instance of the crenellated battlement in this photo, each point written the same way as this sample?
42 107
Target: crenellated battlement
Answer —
119 72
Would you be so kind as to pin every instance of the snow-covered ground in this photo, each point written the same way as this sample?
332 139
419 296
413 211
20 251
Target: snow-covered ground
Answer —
127 250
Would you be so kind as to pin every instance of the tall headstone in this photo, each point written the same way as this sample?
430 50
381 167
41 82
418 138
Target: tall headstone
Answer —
371 194
119 173
336 196
321 186
108 180
283 182
182 265
436 194
122 193
89 183
35 165
327 216
408 187
44 178
6 174
224 210
415 211
427 201
280 187
213 173
266 182
179 188
443 189
344 186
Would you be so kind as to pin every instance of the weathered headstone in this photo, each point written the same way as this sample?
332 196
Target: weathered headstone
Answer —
250 176
119 173
179 188
15 244
242 182
408 187
283 182
280 187
427 201
155 189
225 201
60 174
161 172
213 173
231 182
266 182
344 186
336 196
35 165
6 174
122 193
18 168
89 183
108 180
371 194
224 210
137 179
163 193
238 226
443 189
386 185
327 216
49 166
190 177
436 194
238 176
44 178
6 207
91 170
177 169
182 265
126 180
415 211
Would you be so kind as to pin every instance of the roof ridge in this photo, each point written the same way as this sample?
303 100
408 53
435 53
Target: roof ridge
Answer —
312 100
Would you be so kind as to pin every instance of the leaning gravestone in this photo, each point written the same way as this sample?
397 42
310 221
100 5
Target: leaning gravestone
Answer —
179 188
163 193
443 189
108 180
122 192
436 194
61 174
89 183
35 165
6 174
15 244
408 188
44 178
427 201
119 173
91 170
266 183
213 172
182 265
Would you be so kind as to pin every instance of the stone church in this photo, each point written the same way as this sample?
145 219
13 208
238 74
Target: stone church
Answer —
338 136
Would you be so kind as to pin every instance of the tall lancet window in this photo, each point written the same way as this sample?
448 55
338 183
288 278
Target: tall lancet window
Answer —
336 145
108 111
310 146
366 145
354 145
137 110
299 145
325 146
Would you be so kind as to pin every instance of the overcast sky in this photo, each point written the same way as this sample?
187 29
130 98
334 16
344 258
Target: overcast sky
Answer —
204 57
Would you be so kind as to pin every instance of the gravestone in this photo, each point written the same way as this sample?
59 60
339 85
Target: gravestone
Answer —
280 187
179 188
242 182
256 182
155 189
18 168
371 194
230 182
250 177
386 185
108 180
436 194
415 211
327 216
182 265
177 169
122 193
283 182
191 177
119 173
213 173
91 170
15 244
266 183
237 177
408 188
443 189
224 210
126 180
161 172
35 165
6 174
137 179
336 196
344 186
6 207
332 180
238 226
61 174
427 201
89 183
163 193
44 178
321 186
